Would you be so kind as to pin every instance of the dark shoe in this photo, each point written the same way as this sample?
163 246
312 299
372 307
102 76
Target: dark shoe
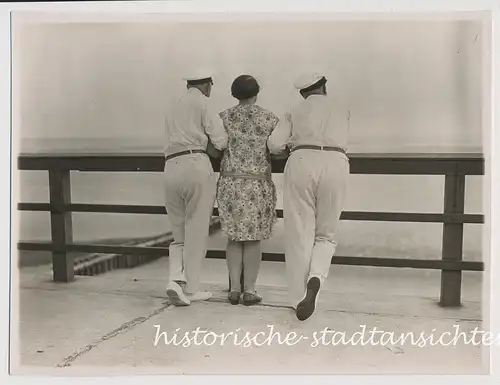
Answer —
234 297
251 298
306 307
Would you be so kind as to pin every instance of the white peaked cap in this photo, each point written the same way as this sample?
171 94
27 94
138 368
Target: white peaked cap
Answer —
307 80
198 74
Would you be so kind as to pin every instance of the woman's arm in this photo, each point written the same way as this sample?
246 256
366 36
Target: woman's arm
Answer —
212 151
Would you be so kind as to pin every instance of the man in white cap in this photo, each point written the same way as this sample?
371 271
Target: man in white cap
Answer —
190 185
314 185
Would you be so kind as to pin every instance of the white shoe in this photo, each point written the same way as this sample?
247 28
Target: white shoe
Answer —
176 295
199 296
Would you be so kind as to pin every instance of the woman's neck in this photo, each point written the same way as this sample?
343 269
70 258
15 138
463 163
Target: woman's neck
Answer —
246 102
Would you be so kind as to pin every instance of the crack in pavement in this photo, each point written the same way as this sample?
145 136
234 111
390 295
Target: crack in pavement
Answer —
129 325
120 330
360 312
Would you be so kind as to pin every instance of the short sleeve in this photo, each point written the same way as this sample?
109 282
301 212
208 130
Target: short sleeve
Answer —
274 121
271 121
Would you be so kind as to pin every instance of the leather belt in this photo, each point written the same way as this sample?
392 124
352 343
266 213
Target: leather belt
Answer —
247 176
322 148
185 153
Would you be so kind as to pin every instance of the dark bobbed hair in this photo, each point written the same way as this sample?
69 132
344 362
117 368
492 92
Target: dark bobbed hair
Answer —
245 87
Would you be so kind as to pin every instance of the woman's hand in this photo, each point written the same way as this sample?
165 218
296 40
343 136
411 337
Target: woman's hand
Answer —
212 151
281 155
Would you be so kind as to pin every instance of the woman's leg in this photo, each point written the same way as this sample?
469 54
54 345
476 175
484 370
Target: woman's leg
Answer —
234 259
252 256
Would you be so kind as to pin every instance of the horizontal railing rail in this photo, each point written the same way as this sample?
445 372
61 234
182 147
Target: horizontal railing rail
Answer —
454 167
373 216
381 164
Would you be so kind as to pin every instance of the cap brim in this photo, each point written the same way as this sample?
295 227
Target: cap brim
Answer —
200 81
321 82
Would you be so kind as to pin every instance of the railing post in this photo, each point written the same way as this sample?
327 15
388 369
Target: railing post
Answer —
453 236
61 225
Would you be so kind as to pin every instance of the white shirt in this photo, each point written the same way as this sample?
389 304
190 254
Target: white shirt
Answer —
317 120
189 122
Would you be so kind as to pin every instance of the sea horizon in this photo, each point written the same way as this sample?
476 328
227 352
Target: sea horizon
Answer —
150 145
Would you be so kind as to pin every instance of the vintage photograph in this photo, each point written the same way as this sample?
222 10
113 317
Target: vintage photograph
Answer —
250 194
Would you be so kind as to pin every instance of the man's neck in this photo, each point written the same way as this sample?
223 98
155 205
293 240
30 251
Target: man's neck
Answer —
195 89
313 96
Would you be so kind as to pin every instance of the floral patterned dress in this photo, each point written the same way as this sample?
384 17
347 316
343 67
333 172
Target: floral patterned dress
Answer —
247 207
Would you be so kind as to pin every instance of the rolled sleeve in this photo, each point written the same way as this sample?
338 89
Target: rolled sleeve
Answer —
277 141
214 128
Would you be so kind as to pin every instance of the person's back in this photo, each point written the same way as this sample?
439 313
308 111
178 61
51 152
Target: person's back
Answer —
246 194
319 120
190 186
186 123
248 127
315 179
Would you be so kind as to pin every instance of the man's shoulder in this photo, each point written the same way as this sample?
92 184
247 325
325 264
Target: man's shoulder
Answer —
187 98
336 104
194 98
296 106
337 101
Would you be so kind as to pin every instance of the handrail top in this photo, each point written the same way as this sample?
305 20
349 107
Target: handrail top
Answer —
374 155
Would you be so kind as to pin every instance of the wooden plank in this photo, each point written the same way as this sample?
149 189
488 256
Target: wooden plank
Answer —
434 264
346 215
61 225
431 264
411 217
33 206
388 164
452 244
94 248
95 208
276 257
118 209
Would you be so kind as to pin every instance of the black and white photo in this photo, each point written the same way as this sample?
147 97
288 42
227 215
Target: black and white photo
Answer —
222 193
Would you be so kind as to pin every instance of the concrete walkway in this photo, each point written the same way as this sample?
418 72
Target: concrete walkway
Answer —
109 322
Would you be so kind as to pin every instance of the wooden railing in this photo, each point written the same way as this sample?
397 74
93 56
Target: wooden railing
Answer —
454 167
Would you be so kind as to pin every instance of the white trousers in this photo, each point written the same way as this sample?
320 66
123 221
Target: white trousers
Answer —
190 188
314 189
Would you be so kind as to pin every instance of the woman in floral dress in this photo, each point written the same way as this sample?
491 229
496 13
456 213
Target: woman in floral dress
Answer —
246 194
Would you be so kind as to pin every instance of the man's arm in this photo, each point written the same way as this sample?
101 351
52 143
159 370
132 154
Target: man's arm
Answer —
277 141
214 128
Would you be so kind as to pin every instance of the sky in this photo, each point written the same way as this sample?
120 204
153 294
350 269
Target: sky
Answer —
407 83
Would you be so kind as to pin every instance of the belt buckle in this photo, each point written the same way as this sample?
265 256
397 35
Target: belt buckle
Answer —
321 147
